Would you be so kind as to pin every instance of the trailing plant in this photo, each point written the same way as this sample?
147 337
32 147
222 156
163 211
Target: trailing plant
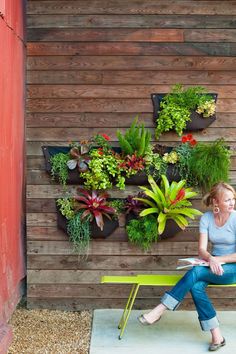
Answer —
210 163
59 167
93 205
170 201
177 105
79 232
136 140
143 232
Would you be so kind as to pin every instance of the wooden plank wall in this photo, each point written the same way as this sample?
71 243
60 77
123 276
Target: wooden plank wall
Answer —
91 68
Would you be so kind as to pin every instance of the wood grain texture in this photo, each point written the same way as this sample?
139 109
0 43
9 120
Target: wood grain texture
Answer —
131 77
125 21
127 62
114 91
133 7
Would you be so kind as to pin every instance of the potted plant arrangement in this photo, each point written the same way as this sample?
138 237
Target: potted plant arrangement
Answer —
66 163
169 202
183 109
86 215
135 145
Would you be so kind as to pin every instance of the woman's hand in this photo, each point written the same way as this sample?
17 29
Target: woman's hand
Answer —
215 266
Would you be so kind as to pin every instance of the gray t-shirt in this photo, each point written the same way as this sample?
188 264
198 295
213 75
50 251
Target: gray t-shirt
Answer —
223 238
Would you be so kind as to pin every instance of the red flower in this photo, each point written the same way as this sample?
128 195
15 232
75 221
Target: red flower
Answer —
189 137
180 196
193 142
105 136
184 139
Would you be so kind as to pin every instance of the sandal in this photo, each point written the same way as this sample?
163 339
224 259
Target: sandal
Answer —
144 322
215 346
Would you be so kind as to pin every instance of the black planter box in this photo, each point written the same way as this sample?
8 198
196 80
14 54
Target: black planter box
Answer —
197 121
171 229
109 226
49 151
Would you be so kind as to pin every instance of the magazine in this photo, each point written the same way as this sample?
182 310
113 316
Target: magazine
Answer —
191 262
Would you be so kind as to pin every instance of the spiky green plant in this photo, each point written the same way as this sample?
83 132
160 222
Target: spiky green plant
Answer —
169 201
136 139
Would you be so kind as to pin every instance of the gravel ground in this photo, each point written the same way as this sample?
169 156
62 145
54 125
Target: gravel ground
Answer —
50 332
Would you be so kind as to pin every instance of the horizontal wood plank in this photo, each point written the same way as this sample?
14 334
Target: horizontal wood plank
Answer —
101 247
132 48
112 34
128 62
116 291
108 119
82 77
116 91
145 262
124 21
131 7
75 304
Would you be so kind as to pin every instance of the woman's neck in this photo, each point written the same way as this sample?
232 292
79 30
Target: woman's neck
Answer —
221 218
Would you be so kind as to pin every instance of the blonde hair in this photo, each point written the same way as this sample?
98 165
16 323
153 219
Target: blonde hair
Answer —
215 191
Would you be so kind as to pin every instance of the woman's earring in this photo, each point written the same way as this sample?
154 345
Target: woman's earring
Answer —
216 209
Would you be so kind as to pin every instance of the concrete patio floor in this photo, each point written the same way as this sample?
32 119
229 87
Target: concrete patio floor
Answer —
177 332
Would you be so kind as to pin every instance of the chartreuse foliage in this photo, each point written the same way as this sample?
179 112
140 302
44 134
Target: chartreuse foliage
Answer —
136 139
177 105
170 201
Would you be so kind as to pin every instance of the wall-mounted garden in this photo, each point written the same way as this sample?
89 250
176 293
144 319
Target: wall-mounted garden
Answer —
182 109
161 211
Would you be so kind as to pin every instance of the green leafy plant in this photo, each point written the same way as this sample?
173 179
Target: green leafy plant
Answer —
66 206
170 201
59 167
79 232
104 170
136 140
118 205
177 105
209 163
143 232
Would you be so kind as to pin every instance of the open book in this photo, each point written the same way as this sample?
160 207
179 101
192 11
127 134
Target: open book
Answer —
190 262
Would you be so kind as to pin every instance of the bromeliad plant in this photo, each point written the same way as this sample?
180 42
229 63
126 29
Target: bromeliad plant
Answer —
170 201
94 205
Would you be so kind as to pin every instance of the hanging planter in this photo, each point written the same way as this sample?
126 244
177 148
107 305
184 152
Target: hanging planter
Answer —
71 176
109 226
183 110
171 229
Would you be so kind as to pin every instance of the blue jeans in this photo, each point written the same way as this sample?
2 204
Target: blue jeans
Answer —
196 281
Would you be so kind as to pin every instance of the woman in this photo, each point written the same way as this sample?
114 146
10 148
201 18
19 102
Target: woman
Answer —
219 226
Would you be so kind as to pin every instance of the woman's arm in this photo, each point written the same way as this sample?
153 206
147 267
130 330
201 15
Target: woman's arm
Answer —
214 262
228 258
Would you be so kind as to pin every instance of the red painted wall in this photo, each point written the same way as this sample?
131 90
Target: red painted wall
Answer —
12 77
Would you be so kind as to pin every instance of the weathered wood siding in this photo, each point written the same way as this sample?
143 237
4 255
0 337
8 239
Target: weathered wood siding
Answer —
92 66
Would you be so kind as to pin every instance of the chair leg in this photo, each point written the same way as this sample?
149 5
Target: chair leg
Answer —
127 310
